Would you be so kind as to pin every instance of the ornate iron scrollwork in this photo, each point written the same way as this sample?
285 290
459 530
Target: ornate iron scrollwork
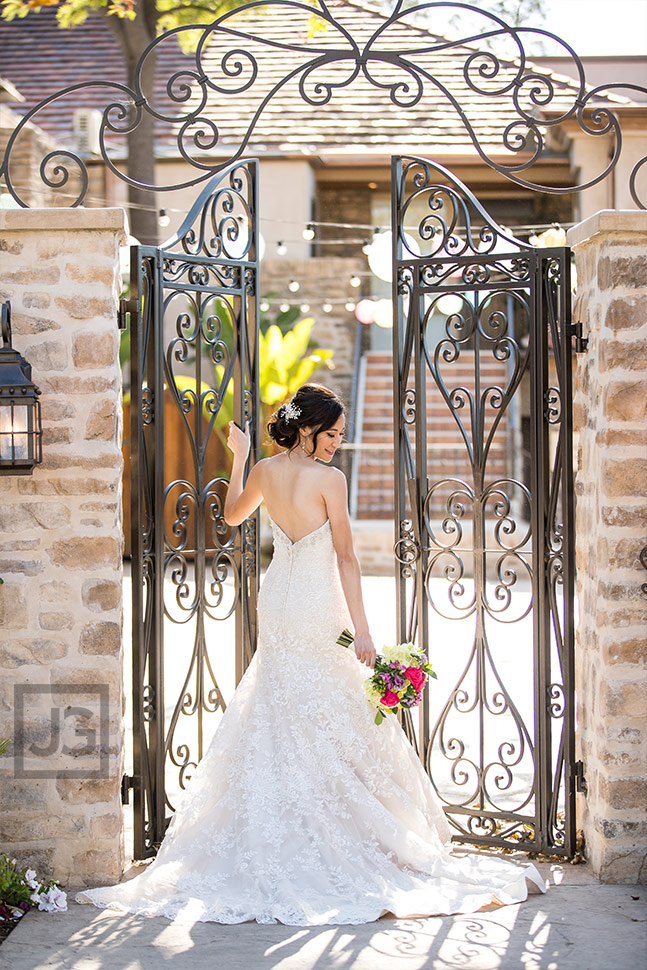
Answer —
233 56
484 327
407 549
192 370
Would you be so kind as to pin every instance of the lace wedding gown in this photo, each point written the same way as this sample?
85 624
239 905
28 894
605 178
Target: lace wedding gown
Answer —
303 810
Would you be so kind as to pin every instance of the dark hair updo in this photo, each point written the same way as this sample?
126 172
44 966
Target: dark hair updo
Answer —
312 406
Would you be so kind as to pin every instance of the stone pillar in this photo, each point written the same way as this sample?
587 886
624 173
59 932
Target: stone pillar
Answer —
611 523
61 693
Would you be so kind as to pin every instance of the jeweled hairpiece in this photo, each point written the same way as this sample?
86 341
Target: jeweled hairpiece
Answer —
290 412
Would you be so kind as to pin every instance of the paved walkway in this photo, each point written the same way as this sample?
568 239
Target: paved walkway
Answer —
577 925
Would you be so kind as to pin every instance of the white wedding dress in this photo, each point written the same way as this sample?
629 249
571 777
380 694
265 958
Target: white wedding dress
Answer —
303 810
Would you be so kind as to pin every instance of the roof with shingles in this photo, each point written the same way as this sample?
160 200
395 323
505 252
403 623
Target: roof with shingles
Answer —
39 59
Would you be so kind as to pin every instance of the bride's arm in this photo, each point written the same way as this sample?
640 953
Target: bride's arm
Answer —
241 501
336 498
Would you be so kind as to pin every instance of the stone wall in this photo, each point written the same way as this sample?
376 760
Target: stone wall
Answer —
611 493
61 693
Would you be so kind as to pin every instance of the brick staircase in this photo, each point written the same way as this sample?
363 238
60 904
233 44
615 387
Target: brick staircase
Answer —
372 496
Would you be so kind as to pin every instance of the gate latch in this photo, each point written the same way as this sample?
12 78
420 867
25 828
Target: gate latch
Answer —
128 782
125 307
577 776
581 342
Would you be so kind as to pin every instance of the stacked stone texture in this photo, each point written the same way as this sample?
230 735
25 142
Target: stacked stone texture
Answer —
610 413
61 549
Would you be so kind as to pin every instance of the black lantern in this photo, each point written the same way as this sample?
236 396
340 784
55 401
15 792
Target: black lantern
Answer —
21 431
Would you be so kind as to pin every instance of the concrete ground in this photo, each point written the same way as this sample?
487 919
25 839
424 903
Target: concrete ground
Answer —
577 925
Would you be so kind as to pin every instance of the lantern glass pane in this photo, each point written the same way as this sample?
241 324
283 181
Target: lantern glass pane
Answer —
16 432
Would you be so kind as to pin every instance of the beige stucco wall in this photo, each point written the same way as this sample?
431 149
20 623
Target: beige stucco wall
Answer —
590 156
286 198
60 553
610 417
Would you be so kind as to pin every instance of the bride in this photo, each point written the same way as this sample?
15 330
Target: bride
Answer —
303 810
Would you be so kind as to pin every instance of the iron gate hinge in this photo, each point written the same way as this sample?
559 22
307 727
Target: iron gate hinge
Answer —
577 777
125 307
581 342
128 782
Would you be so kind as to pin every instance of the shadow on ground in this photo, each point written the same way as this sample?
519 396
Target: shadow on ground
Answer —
577 925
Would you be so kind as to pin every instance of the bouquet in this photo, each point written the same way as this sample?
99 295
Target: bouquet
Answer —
399 677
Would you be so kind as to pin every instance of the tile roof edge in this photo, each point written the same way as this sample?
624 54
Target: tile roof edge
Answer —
563 79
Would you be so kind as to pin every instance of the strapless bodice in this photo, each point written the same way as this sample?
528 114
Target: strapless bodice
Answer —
301 596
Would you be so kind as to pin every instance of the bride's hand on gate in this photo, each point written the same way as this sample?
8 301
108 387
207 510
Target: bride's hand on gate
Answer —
239 441
365 649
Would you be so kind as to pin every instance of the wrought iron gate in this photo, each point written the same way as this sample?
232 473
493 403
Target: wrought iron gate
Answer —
194 365
484 509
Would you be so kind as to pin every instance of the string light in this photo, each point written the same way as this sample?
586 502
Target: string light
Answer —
310 226
281 248
163 219
327 307
293 286
355 281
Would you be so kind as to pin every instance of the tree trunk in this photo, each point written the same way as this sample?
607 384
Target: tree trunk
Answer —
133 37
141 165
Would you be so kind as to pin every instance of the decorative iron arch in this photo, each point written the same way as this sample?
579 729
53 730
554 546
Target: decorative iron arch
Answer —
484 72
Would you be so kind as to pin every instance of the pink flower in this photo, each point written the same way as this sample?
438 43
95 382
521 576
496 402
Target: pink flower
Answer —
390 699
416 676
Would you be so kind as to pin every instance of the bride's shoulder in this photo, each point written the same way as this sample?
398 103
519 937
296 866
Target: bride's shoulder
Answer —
332 477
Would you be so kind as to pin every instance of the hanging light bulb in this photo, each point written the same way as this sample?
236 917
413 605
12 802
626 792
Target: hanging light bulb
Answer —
380 257
326 307
366 248
384 313
281 248
308 232
450 303
163 219
264 306
304 307
355 281
350 306
365 311
284 307
294 286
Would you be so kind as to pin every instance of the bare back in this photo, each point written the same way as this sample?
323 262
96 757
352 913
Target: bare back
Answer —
293 492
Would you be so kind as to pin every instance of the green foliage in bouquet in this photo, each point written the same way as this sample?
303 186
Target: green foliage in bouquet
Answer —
398 678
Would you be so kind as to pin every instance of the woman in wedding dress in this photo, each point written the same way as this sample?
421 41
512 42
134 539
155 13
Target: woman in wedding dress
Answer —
303 810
